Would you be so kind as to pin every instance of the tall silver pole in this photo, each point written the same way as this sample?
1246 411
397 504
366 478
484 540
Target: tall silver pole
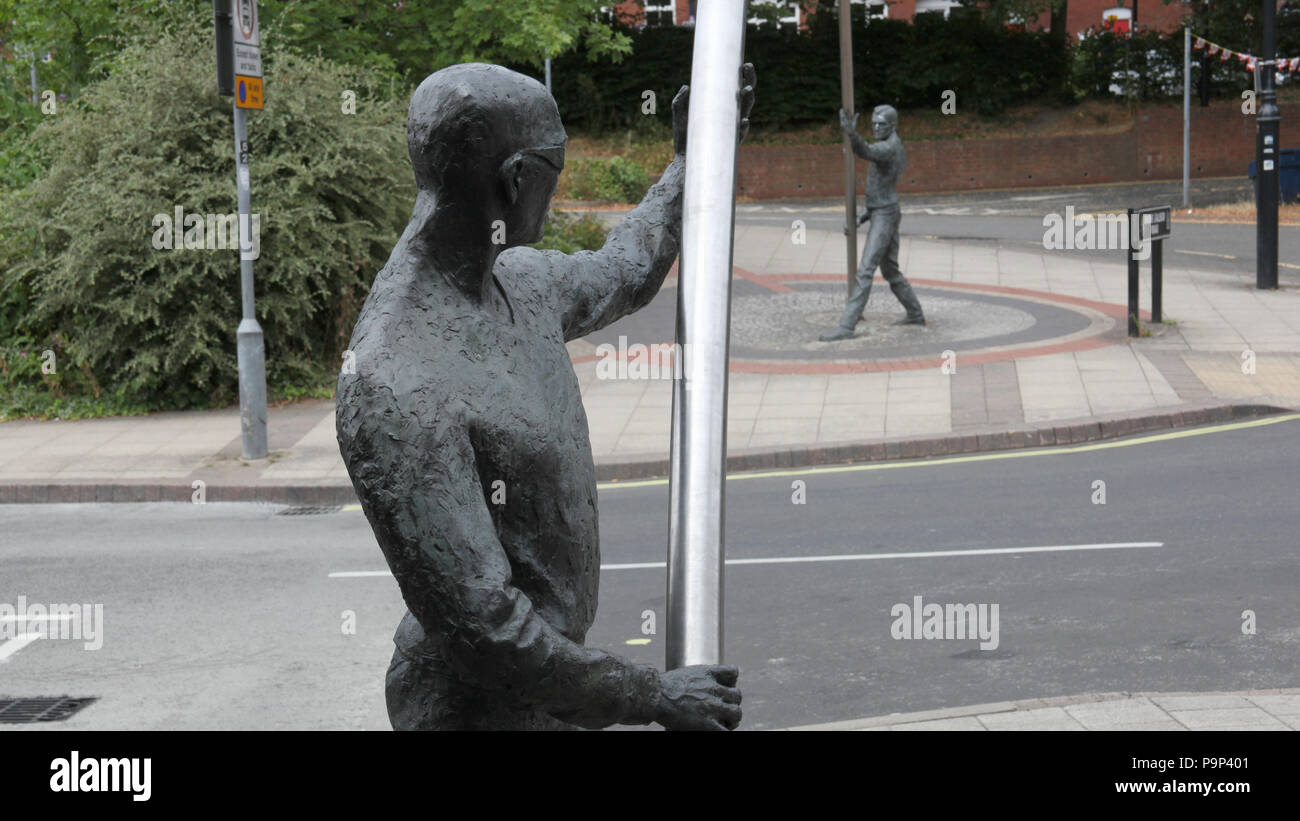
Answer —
548 73
251 352
36 91
1187 117
850 170
699 441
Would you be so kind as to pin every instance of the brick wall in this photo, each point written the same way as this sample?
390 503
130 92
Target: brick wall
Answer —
1151 148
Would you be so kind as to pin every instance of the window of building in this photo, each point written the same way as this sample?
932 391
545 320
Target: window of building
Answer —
876 9
790 12
660 13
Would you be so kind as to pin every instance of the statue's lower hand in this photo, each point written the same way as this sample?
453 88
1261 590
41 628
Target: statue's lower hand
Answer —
700 697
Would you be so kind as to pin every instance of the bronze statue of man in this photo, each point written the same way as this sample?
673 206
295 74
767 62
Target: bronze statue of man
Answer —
888 159
464 433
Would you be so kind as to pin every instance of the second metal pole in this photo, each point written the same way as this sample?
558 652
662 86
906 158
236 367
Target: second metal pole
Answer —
1187 117
850 175
251 349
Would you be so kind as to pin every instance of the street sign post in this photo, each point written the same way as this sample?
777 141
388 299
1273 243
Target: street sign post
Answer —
1153 225
245 60
247 55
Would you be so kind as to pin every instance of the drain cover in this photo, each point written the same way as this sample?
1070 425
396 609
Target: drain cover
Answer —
33 710
307 510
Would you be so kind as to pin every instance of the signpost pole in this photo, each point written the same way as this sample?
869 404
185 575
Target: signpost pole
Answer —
251 347
1187 117
1157 278
1133 329
239 74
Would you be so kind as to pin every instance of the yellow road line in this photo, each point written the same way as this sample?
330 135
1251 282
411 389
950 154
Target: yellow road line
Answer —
974 457
980 457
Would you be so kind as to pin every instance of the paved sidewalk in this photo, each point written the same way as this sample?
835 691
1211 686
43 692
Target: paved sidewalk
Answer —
1025 348
1245 710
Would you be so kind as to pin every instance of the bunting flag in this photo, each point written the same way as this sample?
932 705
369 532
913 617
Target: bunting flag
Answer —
1250 61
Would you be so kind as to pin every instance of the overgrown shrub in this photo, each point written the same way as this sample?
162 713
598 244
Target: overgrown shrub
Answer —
568 233
612 179
77 260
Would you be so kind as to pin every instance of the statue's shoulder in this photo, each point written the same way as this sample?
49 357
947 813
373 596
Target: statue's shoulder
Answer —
529 275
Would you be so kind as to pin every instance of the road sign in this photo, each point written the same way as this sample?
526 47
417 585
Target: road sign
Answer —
248 61
248 54
1155 222
248 92
245 23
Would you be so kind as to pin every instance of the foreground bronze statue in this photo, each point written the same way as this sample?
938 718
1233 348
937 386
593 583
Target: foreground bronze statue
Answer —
888 159
464 433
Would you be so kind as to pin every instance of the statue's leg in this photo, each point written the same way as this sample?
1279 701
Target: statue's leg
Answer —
877 244
893 274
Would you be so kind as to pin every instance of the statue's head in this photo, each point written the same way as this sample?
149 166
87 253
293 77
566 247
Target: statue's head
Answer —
487 138
884 121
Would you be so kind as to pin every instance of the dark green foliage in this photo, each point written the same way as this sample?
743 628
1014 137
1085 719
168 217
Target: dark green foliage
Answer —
895 62
612 179
567 233
157 326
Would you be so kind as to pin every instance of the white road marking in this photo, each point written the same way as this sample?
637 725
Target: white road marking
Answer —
1203 253
15 644
842 557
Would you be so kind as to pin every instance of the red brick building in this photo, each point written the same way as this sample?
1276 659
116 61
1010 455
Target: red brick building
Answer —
1082 14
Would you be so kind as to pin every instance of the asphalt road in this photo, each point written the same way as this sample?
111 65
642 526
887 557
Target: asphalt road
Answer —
1014 219
226 616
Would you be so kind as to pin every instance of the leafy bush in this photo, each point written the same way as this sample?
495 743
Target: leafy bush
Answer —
77 261
612 179
567 233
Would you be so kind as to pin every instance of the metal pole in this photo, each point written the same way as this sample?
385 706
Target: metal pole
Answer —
1268 127
251 352
1187 117
699 440
1133 329
36 92
548 73
1157 280
850 174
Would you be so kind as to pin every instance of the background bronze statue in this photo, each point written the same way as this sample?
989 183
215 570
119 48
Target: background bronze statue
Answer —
888 159
464 433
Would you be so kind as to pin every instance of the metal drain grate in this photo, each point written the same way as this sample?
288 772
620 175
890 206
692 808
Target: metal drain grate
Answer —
307 510
33 710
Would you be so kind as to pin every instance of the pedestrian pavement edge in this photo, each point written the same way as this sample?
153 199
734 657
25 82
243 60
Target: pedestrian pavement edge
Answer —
980 440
